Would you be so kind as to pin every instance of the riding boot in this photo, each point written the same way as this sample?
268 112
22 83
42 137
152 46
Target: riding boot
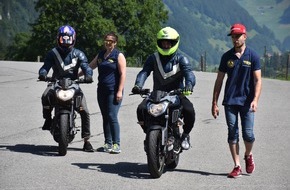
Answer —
47 124
48 121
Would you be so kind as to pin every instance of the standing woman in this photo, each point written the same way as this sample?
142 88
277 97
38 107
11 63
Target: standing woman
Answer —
111 65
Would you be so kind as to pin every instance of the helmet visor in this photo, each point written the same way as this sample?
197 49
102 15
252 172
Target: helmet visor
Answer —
166 44
66 40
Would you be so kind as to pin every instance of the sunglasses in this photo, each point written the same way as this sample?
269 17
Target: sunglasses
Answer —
109 41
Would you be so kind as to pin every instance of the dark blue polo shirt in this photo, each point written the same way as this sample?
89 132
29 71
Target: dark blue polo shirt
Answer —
239 89
109 76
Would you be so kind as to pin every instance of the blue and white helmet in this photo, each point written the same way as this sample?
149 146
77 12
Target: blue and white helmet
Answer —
66 37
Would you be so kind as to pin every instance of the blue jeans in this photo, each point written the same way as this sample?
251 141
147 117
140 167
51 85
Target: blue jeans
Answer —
247 123
109 108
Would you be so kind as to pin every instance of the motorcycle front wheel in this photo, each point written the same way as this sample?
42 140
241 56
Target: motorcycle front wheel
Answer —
63 136
155 157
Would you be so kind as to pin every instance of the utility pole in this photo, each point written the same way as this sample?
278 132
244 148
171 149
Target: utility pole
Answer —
287 66
205 61
265 60
201 63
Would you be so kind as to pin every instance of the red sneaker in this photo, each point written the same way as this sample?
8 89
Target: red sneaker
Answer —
250 165
237 172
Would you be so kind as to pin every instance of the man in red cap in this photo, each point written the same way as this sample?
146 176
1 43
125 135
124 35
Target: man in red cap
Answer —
237 29
241 95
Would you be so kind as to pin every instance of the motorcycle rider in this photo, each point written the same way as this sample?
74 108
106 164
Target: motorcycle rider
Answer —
170 68
65 61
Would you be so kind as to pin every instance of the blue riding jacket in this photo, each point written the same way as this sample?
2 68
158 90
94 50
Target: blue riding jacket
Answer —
169 72
65 64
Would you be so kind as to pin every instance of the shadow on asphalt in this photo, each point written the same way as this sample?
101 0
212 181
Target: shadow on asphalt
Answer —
199 172
134 170
41 150
124 169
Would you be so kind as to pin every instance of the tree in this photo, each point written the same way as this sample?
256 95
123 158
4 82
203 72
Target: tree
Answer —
135 21
14 18
18 48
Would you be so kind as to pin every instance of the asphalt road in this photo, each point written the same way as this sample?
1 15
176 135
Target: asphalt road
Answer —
29 159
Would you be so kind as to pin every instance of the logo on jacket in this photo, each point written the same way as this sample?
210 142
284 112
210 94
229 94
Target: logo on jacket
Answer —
231 63
71 65
111 60
248 63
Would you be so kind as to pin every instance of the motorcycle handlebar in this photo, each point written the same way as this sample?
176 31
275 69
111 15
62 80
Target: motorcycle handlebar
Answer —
78 81
146 91
82 81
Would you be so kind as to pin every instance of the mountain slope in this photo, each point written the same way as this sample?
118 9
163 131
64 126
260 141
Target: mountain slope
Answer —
274 14
203 26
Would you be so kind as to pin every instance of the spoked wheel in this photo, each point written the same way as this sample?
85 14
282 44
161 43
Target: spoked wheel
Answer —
63 136
155 158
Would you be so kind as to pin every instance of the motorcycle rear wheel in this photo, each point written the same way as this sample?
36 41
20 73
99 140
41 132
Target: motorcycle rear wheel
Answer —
63 136
155 157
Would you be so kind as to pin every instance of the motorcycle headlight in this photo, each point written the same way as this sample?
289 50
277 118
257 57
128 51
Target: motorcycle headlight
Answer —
65 95
157 109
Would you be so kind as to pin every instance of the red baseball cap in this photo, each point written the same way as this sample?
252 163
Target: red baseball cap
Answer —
237 29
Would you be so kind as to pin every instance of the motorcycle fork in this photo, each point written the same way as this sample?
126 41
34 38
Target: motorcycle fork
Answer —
72 118
164 131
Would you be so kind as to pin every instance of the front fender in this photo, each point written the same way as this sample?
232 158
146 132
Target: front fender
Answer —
163 132
155 127
60 111
64 111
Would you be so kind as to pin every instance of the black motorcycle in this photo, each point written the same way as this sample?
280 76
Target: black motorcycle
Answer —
162 121
66 100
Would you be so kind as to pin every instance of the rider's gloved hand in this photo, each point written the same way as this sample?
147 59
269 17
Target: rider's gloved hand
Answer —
187 90
88 79
136 89
42 77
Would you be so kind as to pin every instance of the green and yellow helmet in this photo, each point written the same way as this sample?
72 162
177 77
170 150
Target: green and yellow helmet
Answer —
170 34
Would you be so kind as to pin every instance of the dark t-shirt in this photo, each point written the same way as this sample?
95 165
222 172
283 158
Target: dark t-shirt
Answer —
239 89
109 76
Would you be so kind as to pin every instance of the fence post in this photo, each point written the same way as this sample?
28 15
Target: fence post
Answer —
204 61
38 58
287 66
201 63
265 60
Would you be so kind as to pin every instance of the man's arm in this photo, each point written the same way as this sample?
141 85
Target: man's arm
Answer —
187 72
48 62
93 64
86 69
145 72
216 92
258 88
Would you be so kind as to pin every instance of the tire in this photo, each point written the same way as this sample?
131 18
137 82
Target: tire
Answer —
155 158
63 136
